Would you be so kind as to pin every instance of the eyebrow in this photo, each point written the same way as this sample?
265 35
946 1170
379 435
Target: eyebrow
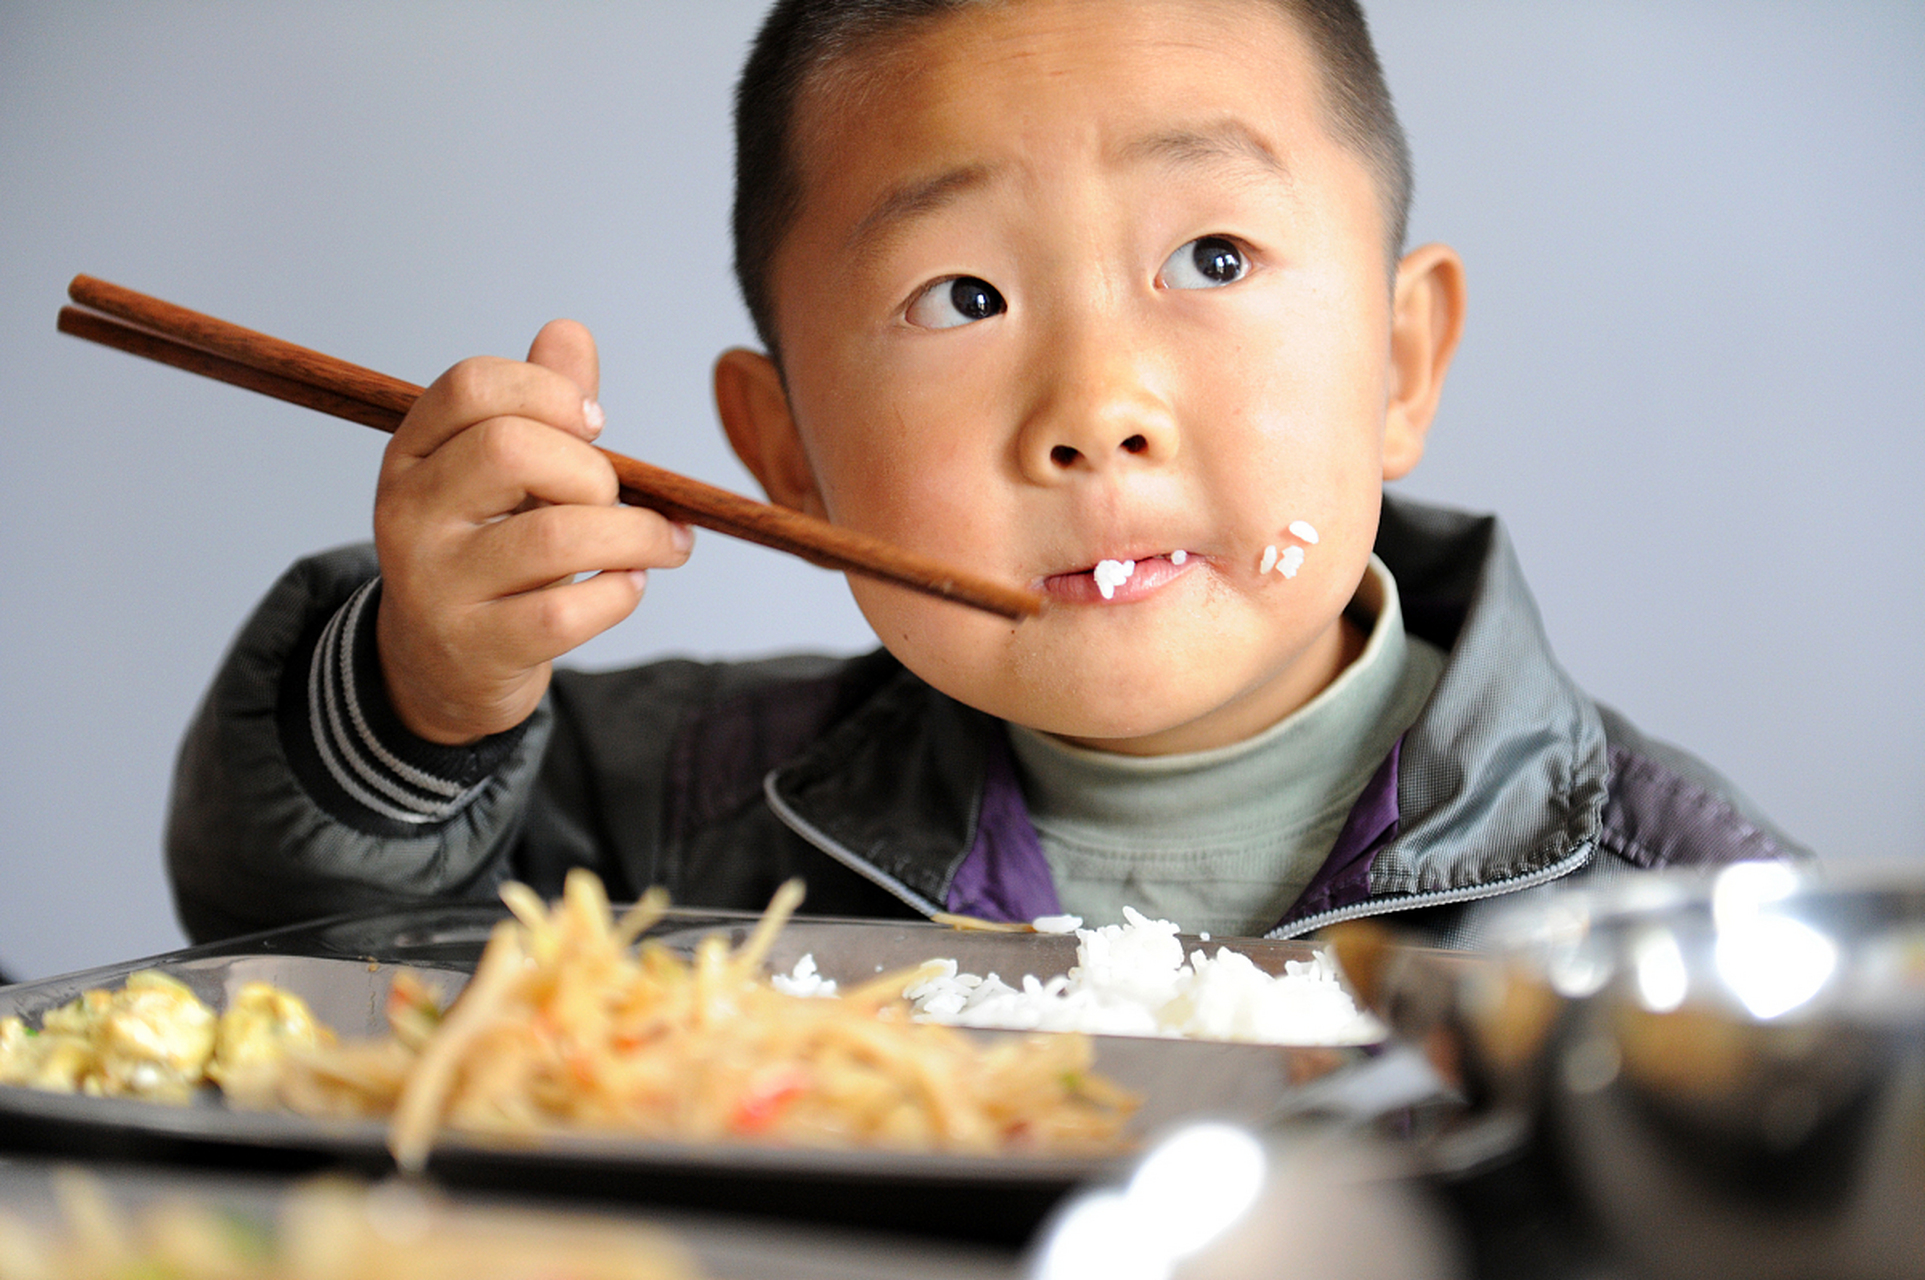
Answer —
914 199
1229 140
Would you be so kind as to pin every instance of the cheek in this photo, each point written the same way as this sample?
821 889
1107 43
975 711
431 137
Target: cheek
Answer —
961 652
1305 423
908 469
1290 438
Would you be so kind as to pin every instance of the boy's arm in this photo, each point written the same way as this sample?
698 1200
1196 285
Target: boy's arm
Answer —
263 830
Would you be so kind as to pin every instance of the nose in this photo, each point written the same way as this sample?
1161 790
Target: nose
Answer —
1099 410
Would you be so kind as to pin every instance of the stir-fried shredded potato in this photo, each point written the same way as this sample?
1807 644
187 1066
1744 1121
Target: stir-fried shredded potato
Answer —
567 1023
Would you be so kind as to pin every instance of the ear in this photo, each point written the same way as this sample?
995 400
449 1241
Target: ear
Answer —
1427 318
755 413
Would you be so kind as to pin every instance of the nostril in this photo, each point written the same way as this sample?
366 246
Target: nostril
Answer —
1063 456
1135 444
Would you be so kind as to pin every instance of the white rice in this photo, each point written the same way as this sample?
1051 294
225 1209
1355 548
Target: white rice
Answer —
803 980
1305 530
1269 560
1179 556
1290 561
1111 574
1132 979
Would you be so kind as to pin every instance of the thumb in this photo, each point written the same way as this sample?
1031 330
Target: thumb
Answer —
568 348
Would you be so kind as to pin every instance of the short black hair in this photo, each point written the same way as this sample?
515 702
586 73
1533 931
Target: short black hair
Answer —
801 37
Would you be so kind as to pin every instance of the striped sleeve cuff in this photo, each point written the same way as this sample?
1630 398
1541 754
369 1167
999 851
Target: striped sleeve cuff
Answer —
351 749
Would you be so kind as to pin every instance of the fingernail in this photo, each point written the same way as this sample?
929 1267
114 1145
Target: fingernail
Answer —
593 416
681 536
640 578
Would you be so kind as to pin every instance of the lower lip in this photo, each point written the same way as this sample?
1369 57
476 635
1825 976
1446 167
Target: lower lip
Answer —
1151 576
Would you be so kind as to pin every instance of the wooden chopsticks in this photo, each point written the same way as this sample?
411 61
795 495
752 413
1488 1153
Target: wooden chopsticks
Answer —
173 335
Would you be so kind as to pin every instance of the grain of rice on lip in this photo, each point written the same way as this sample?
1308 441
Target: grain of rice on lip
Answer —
1111 574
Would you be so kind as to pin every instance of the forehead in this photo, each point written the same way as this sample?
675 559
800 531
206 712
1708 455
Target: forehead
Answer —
1028 81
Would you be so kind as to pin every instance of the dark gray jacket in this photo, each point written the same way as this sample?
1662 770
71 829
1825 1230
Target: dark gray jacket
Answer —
720 780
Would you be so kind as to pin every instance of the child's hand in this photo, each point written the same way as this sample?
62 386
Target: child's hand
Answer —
491 499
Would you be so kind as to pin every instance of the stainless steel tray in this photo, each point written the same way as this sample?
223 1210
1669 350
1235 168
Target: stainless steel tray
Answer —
344 969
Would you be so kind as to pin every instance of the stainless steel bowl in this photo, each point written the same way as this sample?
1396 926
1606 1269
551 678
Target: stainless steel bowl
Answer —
1730 1069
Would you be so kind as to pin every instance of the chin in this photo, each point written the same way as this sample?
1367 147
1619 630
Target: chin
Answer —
1085 692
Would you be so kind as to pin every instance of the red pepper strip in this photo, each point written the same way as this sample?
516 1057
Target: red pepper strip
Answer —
763 1102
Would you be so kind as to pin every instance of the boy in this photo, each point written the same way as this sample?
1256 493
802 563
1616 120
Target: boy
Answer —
1105 298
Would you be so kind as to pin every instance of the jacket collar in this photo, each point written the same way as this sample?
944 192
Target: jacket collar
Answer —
1501 781
895 790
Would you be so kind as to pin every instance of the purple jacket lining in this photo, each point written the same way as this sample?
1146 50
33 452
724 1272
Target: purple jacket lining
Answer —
1005 876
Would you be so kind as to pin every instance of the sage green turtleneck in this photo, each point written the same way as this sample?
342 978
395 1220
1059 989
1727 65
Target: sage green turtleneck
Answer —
1224 841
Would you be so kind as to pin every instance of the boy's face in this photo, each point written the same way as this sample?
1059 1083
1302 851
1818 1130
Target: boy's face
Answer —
1076 281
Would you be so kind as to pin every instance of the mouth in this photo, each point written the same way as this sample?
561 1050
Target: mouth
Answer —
1119 581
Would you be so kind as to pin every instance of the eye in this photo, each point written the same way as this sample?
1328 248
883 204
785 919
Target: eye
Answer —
1208 262
956 301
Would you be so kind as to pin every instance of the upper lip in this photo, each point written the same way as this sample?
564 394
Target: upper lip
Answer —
1087 538
1090 566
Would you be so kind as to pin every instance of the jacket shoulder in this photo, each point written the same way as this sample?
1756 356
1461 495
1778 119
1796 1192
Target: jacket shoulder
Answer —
1667 808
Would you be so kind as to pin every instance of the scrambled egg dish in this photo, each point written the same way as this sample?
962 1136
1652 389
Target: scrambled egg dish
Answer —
154 1039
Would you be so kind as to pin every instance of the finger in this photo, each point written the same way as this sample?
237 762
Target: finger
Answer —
495 466
568 348
540 626
486 387
546 544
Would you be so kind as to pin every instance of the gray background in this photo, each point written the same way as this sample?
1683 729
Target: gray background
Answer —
1689 384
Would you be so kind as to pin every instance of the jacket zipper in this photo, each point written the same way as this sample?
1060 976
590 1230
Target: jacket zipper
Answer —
1440 897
